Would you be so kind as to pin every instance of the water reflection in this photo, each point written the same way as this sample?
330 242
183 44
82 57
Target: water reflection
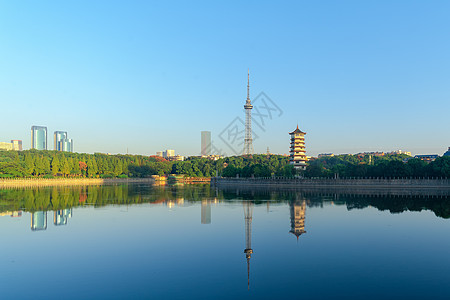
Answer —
60 216
206 212
298 211
61 200
248 217
147 236
39 220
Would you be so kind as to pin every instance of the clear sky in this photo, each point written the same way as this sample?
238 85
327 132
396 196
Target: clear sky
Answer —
150 75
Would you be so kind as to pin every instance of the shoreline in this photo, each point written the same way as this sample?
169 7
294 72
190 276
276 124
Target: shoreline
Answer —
32 182
377 183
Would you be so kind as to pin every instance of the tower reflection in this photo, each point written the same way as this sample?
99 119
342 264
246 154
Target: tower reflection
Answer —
248 214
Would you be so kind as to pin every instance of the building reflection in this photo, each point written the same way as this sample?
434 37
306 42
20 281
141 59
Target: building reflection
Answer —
39 220
298 210
206 212
12 214
248 216
60 216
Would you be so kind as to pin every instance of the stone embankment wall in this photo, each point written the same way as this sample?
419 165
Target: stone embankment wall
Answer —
30 182
335 183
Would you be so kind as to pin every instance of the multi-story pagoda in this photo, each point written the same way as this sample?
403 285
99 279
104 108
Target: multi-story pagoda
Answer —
297 155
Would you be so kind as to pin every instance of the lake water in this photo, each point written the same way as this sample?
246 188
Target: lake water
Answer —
196 242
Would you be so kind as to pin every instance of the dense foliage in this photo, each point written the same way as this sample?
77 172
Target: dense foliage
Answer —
48 164
33 163
388 166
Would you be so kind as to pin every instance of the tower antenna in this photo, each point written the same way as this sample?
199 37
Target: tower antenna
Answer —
248 140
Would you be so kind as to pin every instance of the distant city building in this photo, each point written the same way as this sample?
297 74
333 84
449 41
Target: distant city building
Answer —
17 145
325 155
213 157
39 137
66 145
206 212
206 143
57 137
12 214
447 153
159 153
400 152
39 220
298 210
6 146
61 142
175 158
168 153
378 154
297 156
427 158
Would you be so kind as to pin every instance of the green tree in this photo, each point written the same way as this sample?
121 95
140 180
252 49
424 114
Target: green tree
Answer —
65 167
55 165
40 165
29 164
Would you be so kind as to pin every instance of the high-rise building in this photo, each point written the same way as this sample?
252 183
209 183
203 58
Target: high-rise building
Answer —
58 136
66 145
206 212
206 143
17 145
39 137
61 142
39 220
248 140
297 155
168 153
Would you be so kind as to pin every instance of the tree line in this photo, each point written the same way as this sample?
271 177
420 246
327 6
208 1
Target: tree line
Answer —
388 166
48 164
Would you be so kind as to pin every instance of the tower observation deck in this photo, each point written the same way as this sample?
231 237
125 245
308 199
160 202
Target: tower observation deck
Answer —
248 140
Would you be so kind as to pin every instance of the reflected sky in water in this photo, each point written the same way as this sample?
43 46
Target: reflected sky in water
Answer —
116 242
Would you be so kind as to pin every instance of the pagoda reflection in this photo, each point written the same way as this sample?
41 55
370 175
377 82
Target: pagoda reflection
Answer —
298 210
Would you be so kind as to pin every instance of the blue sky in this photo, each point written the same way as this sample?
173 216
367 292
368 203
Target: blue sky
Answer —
148 76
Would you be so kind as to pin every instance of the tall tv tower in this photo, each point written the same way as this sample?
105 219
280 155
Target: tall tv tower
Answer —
248 141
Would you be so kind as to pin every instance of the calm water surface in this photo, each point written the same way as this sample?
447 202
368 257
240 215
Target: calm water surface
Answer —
138 241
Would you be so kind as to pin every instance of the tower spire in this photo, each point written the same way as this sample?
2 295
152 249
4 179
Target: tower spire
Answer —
248 85
248 140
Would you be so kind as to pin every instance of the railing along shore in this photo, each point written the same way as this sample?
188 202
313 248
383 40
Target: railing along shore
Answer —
398 182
